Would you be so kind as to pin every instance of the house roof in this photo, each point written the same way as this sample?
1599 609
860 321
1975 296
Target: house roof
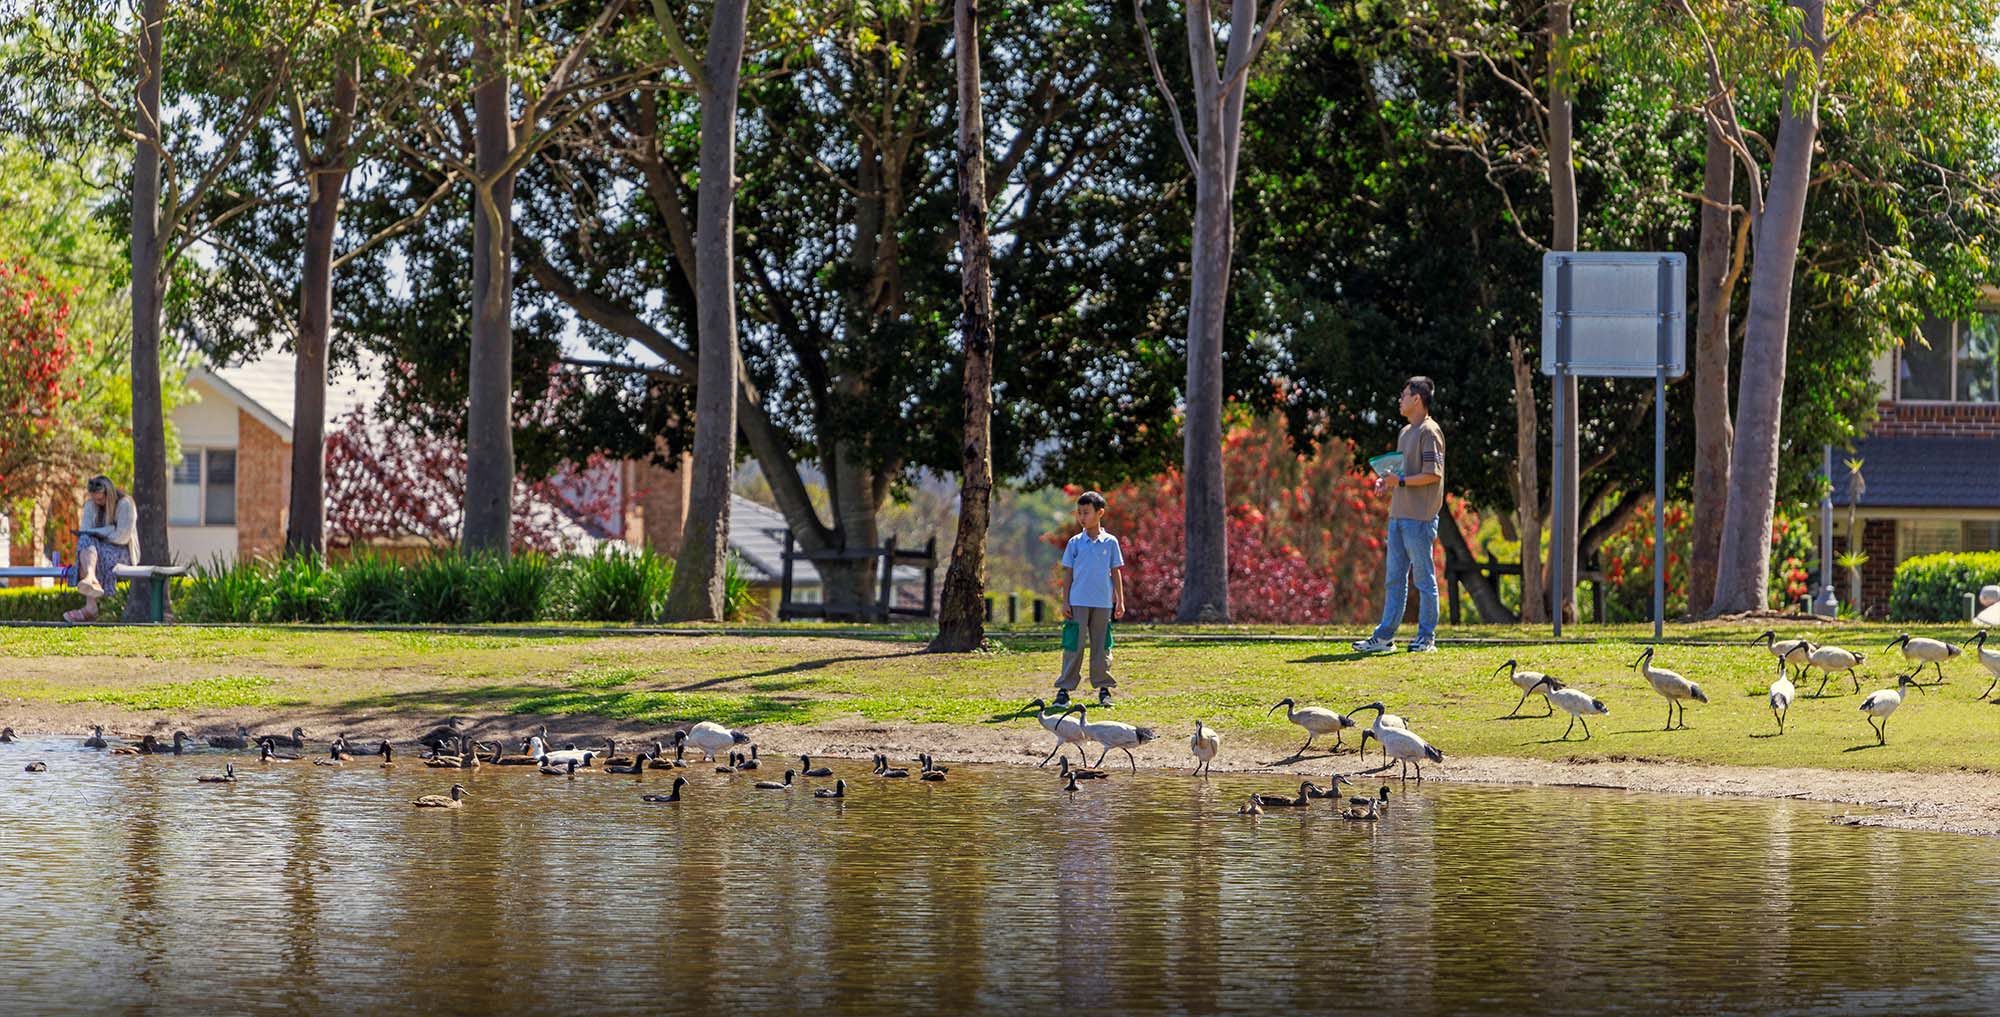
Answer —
757 535
1924 472
264 388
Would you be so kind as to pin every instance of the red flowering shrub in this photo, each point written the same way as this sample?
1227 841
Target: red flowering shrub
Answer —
38 378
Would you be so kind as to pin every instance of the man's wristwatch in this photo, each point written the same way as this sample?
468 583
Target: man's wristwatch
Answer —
1402 481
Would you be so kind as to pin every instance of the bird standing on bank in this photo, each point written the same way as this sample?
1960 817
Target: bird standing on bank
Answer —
1526 681
1921 651
1781 695
1317 720
1790 651
1113 734
1988 659
1575 702
1830 659
1675 689
1879 705
1205 743
1067 732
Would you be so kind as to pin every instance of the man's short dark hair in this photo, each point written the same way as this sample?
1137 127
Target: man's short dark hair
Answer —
1092 499
1423 387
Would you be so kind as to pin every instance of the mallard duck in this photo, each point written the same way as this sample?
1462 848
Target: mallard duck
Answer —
1282 802
148 745
566 770
929 774
295 740
6 736
227 776
807 768
239 740
1081 772
659 760
772 785
441 739
1070 785
1332 790
611 757
679 782
1253 807
96 739
442 801
883 769
388 754
637 765
37 767
838 790
748 762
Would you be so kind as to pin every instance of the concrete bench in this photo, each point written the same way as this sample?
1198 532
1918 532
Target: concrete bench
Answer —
156 607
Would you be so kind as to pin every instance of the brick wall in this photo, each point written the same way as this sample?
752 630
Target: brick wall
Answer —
1878 541
1961 420
263 488
658 506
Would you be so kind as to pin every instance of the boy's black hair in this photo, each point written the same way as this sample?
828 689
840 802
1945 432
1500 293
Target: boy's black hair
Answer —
1092 499
1424 388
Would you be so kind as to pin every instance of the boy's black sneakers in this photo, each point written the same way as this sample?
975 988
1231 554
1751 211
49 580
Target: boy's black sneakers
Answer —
1104 697
1062 697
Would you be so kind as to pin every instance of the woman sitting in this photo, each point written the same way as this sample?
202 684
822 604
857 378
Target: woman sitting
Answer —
109 538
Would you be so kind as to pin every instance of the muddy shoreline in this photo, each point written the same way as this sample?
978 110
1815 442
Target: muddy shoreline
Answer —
1966 802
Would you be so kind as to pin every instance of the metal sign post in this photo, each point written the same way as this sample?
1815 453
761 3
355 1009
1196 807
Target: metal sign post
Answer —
1613 315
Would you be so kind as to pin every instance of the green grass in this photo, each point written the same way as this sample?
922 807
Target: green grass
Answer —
1230 680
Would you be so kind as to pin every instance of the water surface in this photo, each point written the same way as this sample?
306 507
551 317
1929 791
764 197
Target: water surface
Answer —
131 888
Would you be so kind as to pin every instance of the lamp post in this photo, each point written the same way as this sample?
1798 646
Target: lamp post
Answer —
1828 605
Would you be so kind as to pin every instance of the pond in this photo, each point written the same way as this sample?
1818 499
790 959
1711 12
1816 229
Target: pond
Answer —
130 887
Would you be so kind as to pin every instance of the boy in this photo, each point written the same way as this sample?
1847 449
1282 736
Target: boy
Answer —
1413 522
1093 574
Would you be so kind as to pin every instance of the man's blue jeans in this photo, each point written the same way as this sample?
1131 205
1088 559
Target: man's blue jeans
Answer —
1410 543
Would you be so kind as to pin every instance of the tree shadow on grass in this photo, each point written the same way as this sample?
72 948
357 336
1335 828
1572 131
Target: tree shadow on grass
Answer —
646 706
792 668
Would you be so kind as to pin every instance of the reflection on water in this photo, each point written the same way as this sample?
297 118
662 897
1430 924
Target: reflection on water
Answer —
130 887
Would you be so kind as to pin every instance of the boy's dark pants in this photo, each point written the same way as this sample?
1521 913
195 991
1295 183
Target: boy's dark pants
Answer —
1094 625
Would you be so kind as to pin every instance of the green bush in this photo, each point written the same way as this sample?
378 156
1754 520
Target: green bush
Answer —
1932 587
369 588
33 603
618 586
516 589
438 590
224 593
738 599
301 590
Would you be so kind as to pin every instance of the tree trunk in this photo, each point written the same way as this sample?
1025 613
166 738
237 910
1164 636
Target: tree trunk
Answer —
489 419
305 526
149 429
697 591
1485 594
1745 556
961 610
1562 189
1712 429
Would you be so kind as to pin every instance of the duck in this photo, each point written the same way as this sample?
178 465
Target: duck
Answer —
267 754
1675 689
658 760
930 763
611 756
838 790
711 738
883 769
568 752
533 753
1067 732
37 767
1526 682
774 785
239 740
1332 790
388 754
1205 743
1113 734
731 768
442 801
748 762
1253 807
1317 720
637 765
148 745
1281 802
1072 786
340 750
96 739
806 767
932 776
443 737
227 776
6 736
1081 772
178 748
566 770
442 759
675 796
295 740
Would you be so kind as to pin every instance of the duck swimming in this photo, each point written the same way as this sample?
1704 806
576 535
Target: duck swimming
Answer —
883 769
1082 772
637 765
239 740
6 735
566 770
838 790
441 801
148 745
679 782
37 767
806 767
96 739
227 776
772 785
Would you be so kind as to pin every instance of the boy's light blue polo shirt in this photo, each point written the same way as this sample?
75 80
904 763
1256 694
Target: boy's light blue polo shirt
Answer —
1090 563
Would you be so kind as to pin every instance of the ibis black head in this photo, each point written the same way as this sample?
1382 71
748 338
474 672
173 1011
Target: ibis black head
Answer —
1770 636
1903 639
1285 702
1507 667
1978 640
1644 657
1550 681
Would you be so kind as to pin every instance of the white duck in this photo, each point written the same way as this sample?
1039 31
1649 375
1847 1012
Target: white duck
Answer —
1922 651
1670 685
1113 735
1204 743
711 738
1067 732
1879 705
1526 682
1317 720
563 757
1575 702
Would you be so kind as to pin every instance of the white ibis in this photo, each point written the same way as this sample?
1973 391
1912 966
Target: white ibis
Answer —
1404 746
1204 743
1988 659
1383 719
1067 732
1670 685
1830 659
1113 735
1879 705
1575 702
1317 720
1781 695
1791 651
1526 682
711 738
1921 651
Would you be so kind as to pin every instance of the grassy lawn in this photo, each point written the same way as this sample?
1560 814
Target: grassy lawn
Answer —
1227 677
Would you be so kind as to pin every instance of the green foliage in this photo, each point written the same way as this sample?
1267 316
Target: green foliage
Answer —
438 590
224 593
32 603
1932 587
739 601
301 590
202 693
619 586
370 588
520 588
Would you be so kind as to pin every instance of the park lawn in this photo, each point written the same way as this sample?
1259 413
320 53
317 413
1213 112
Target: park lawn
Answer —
1228 678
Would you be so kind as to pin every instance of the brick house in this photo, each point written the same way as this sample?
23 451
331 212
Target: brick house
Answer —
1930 473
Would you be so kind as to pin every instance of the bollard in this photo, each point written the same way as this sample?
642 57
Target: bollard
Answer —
1038 611
1013 608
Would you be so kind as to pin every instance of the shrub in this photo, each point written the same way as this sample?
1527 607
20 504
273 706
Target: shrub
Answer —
369 588
516 589
1932 587
739 601
224 593
438 590
619 586
301 590
33 603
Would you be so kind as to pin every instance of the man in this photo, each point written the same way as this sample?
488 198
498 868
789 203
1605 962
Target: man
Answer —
1413 522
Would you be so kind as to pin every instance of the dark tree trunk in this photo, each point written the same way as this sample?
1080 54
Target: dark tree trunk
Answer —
149 429
489 423
961 611
697 592
305 526
1485 594
1713 432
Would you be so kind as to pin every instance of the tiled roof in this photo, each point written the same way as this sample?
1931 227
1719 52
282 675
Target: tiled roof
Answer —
268 382
1922 472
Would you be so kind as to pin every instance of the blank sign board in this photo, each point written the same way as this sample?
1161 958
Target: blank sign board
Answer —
1614 314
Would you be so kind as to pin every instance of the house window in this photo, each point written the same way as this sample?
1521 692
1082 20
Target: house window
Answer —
1960 364
1939 536
203 492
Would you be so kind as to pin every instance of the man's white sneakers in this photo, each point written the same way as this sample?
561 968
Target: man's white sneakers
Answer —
1373 645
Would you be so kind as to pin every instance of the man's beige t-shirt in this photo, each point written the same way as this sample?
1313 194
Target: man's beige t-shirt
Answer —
1422 446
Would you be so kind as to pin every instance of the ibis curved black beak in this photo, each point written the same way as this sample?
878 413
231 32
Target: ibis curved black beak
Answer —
1274 706
1509 666
1904 639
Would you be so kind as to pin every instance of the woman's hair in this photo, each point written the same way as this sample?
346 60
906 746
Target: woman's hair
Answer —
108 512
